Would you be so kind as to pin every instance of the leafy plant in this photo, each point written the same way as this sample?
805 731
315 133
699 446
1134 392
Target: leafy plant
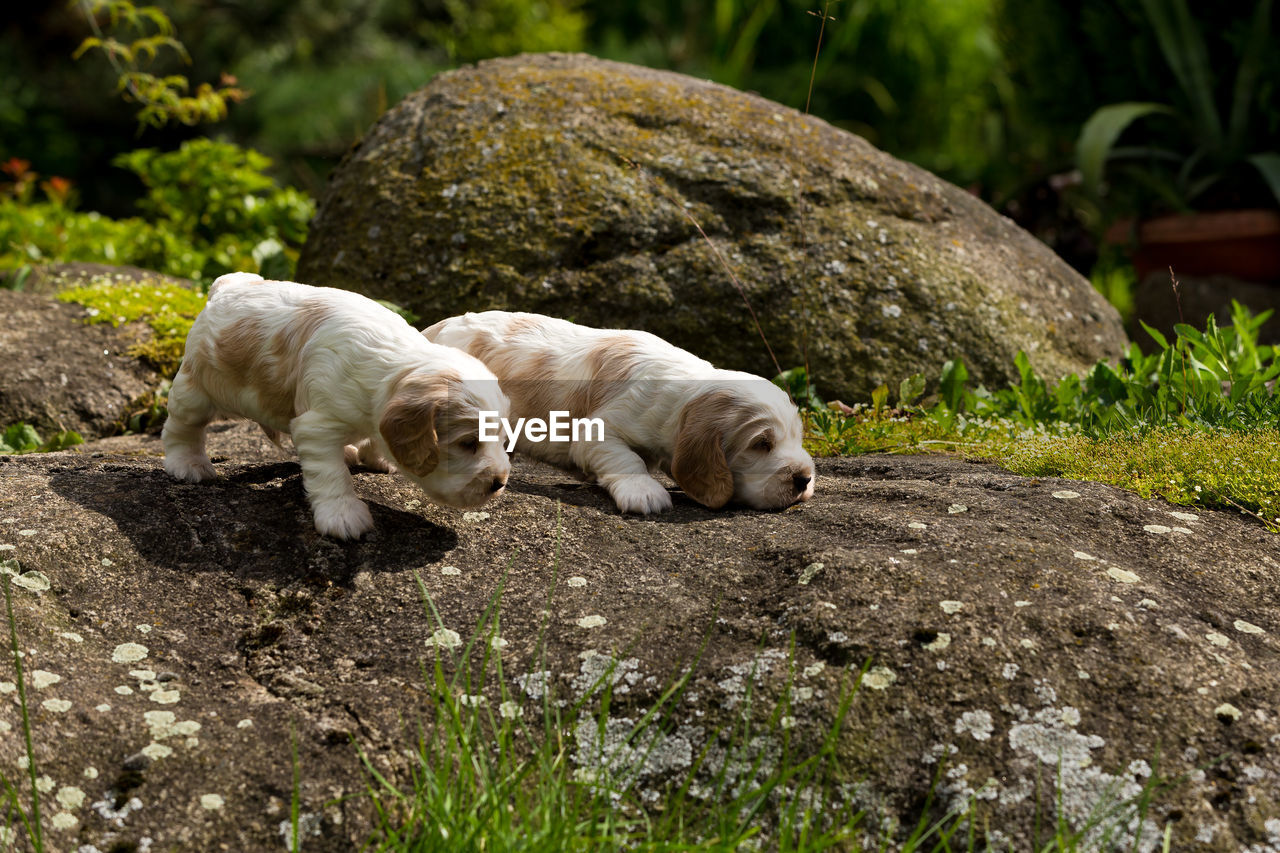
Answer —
216 196
23 438
1218 378
160 99
478 29
209 209
1208 145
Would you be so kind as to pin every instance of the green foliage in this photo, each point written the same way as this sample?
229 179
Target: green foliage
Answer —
797 385
1218 378
216 196
478 29
1210 144
160 99
16 279
209 209
883 70
23 438
1117 282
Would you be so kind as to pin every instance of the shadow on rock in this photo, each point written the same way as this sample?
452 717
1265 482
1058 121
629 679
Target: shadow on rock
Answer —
588 495
254 523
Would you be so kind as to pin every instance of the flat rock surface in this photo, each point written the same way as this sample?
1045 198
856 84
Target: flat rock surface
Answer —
565 185
1032 645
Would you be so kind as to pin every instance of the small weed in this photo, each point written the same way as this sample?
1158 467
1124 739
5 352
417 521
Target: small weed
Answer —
23 438
16 279
30 820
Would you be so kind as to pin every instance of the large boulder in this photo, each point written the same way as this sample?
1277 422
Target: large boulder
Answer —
564 184
1036 649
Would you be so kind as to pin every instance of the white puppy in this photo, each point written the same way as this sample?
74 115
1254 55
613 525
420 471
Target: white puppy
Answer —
720 434
331 367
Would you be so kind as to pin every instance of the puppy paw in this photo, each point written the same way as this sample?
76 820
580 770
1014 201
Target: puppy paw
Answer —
643 495
347 518
365 456
189 468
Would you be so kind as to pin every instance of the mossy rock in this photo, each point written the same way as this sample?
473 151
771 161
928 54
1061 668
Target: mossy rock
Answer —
560 184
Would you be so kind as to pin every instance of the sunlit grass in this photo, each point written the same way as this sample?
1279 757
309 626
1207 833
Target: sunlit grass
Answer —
1210 468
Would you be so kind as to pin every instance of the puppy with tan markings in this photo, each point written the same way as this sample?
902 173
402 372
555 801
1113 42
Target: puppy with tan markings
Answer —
332 368
720 434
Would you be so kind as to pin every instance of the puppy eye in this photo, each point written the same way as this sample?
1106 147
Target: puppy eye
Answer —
764 444
471 445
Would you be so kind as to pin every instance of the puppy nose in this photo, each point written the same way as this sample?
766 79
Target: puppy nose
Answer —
497 485
800 482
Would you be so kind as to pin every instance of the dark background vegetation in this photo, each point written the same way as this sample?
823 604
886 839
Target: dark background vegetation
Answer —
990 94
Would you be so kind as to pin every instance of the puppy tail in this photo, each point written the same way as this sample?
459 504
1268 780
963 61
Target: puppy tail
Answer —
231 277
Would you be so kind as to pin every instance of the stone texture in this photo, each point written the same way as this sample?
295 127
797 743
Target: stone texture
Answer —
61 374
1047 647
510 184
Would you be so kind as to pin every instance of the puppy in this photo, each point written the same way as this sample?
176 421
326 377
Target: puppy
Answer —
331 367
720 434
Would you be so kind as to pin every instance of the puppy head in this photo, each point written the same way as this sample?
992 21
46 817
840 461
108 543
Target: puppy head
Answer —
742 443
430 426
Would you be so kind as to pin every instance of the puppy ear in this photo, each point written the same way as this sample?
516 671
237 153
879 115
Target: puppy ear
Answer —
408 426
699 465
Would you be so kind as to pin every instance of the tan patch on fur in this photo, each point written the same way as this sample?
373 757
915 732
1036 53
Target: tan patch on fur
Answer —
482 347
532 393
271 369
530 383
240 353
612 364
699 465
522 324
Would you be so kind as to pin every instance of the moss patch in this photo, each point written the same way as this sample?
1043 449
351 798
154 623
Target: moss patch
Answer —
1222 469
167 309
1191 467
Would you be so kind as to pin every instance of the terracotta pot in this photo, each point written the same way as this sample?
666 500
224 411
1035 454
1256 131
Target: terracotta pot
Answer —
1243 244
